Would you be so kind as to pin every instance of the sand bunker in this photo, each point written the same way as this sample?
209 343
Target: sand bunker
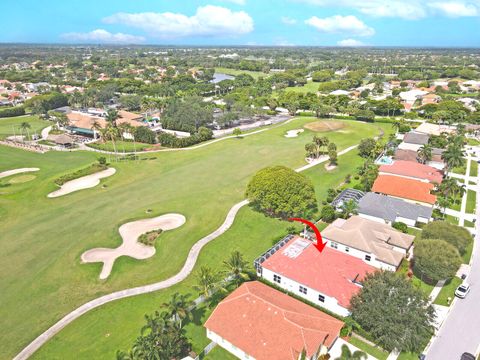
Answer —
130 232
84 182
17 171
293 133
325 125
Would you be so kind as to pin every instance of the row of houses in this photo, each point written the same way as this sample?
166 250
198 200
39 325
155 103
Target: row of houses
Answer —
259 322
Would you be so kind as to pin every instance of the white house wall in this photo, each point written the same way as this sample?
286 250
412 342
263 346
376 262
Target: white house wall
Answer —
232 349
361 255
292 286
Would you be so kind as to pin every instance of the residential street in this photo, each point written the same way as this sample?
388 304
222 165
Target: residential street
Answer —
461 330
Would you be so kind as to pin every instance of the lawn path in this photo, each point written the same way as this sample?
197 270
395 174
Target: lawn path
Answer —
180 276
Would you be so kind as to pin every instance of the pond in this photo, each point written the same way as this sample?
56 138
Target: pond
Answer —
217 77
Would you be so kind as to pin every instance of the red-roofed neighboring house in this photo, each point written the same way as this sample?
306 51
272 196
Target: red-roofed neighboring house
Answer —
413 170
329 278
258 322
408 189
431 99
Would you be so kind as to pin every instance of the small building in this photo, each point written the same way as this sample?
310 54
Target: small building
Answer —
329 278
412 170
387 209
411 190
62 140
346 196
435 129
258 322
374 243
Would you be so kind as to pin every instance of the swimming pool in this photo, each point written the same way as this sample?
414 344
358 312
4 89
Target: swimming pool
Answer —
385 160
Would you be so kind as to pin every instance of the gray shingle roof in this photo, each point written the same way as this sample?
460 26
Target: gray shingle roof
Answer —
388 208
416 138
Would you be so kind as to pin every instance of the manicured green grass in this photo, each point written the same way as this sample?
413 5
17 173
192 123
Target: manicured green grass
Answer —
310 86
416 278
11 126
235 72
448 291
451 219
219 353
471 201
473 142
48 281
127 146
462 170
467 223
407 356
369 349
473 168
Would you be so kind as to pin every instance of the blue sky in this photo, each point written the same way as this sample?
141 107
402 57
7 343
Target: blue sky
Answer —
244 22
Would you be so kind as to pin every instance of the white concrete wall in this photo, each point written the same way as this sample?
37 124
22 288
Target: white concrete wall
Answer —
232 349
374 218
330 303
409 222
361 255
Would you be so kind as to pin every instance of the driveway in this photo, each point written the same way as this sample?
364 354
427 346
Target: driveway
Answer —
461 330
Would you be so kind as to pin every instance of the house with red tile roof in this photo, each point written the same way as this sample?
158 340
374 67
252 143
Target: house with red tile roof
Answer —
412 170
258 322
411 190
329 278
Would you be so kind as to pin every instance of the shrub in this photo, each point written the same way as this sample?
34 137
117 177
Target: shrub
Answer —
453 234
102 160
80 173
145 135
400 227
436 259
12 111
150 237
328 213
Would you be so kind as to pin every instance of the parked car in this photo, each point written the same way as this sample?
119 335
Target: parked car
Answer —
462 290
467 356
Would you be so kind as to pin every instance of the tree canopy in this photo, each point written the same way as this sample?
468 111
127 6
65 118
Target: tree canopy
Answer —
281 192
453 234
436 259
394 312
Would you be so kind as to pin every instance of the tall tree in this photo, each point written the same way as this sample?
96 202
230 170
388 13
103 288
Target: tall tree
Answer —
179 307
236 268
394 312
347 354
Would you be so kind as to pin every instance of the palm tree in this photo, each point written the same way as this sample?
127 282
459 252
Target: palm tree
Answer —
97 128
112 133
453 156
112 116
447 187
179 307
425 153
349 208
310 148
24 126
206 281
458 190
443 203
236 267
348 355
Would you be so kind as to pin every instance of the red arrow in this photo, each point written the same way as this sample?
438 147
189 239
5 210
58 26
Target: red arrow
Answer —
320 245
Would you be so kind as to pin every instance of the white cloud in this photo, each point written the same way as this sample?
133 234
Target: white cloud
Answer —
405 9
103 36
288 21
238 2
339 24
455 9
209 20
350 42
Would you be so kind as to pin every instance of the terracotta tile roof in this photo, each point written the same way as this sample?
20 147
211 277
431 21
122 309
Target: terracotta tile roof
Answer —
369 236
330 272
267 324
404 188
85 121
413 169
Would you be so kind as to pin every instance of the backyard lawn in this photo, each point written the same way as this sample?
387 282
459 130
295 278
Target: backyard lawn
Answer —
202 184
468 253
448 291
379 353
310 86
11 126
